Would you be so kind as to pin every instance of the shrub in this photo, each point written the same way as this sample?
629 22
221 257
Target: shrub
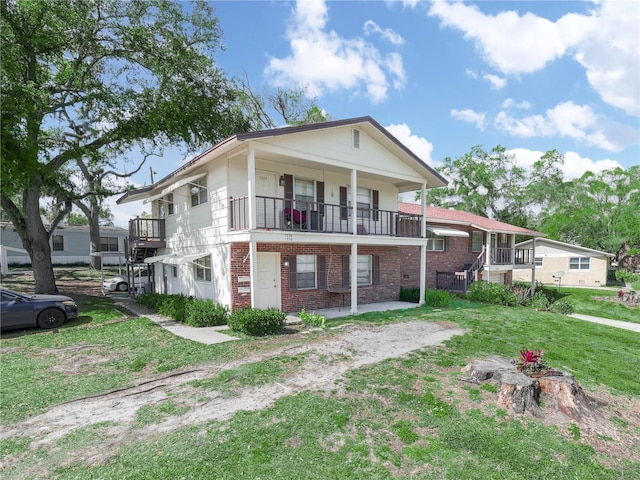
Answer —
205 313
627 276
521 293
174 306
312 319
411 294
494 293
562 306
257 322
540 301
149 300
437 298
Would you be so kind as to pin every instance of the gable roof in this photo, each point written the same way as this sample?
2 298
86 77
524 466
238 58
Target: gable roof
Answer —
567 246
366 123
459 217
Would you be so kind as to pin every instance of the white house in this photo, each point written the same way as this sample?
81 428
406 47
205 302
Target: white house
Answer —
294 217
567 264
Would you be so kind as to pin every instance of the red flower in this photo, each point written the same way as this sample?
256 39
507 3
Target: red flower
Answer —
529 356
620 293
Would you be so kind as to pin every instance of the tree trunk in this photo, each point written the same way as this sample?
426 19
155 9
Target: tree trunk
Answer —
94 236
35 239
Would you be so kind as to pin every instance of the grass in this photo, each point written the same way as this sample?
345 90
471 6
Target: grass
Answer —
400 418
585 301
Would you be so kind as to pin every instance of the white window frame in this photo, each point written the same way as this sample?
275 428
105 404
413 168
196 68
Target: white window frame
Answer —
170 210
365 270
109 242
54 243
364 208
434 240
301 188
202 195
202 269
538 261
306 267
474 234
579 263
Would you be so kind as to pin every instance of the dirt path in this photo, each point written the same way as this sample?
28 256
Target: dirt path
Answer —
324 363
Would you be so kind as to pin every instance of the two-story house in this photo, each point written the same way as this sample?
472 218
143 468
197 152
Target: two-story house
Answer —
463 247
294 217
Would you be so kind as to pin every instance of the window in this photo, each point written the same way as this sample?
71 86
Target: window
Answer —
174 271
202 269
108 244
356 138
58 243
579 263
363 201
169 201
305 271
435 243
198 192
537 261
368 270
476 241
303 193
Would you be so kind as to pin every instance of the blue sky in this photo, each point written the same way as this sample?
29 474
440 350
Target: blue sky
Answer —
445 76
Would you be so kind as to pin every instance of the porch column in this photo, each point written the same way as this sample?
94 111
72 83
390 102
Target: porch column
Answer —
251 192
354 278
513 248
354 202
423 247
253 270
487 260
533 270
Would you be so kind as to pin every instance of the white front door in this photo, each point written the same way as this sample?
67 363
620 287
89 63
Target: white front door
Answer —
268 291
267 207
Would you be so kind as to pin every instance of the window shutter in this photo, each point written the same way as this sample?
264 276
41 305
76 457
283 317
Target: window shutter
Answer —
376 269
344 212
446 243
320 197
345 271
376 205
322 272
293 278
288 190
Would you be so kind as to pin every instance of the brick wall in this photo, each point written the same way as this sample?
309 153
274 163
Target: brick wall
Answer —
294 300
453 259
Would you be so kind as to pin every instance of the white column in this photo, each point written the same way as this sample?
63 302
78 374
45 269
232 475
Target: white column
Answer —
354 277
533 270
251 191
423 247
487 260
354 201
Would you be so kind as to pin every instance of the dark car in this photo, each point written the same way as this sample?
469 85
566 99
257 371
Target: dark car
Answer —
44 311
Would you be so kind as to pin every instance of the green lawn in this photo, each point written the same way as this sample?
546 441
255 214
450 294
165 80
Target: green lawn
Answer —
586 301
401 418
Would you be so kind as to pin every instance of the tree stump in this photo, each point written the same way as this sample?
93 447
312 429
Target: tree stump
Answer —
521 393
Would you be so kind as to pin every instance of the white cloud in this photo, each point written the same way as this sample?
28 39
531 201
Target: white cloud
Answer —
496 81
372 27
322 60
470 116
578 122
418 145
574 165
511 103
605 43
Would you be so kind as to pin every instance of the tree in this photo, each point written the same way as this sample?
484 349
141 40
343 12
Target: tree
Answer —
599 211
493 184
91 80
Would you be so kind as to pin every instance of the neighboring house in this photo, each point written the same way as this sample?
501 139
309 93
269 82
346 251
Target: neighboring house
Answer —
457 246
69 244
290 218
571 264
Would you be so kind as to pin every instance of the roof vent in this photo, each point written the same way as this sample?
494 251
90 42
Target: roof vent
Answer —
356 138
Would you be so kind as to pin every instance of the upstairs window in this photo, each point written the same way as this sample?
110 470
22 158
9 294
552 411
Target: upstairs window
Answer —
303 193
199 193
169 207
435 243
579 263
476 241
57 242
108 244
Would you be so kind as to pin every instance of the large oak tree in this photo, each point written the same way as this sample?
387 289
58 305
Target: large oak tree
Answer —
85 81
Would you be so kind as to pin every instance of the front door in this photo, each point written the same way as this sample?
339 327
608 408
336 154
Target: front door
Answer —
268 291
268 205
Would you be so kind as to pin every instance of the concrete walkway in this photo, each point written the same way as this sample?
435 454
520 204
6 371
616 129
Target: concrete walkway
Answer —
634 327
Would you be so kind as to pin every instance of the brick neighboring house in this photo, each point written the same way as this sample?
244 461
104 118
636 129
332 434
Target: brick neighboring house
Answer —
457 247
288 218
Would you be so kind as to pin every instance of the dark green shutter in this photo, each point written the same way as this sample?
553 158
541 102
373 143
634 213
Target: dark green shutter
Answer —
293 278
322 272
376 269
344 212
345 271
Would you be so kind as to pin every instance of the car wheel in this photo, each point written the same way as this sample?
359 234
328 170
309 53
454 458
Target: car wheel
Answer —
122 287
51 318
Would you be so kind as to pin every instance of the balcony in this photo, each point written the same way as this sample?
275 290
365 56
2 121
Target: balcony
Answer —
147 233
274 213
510 256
